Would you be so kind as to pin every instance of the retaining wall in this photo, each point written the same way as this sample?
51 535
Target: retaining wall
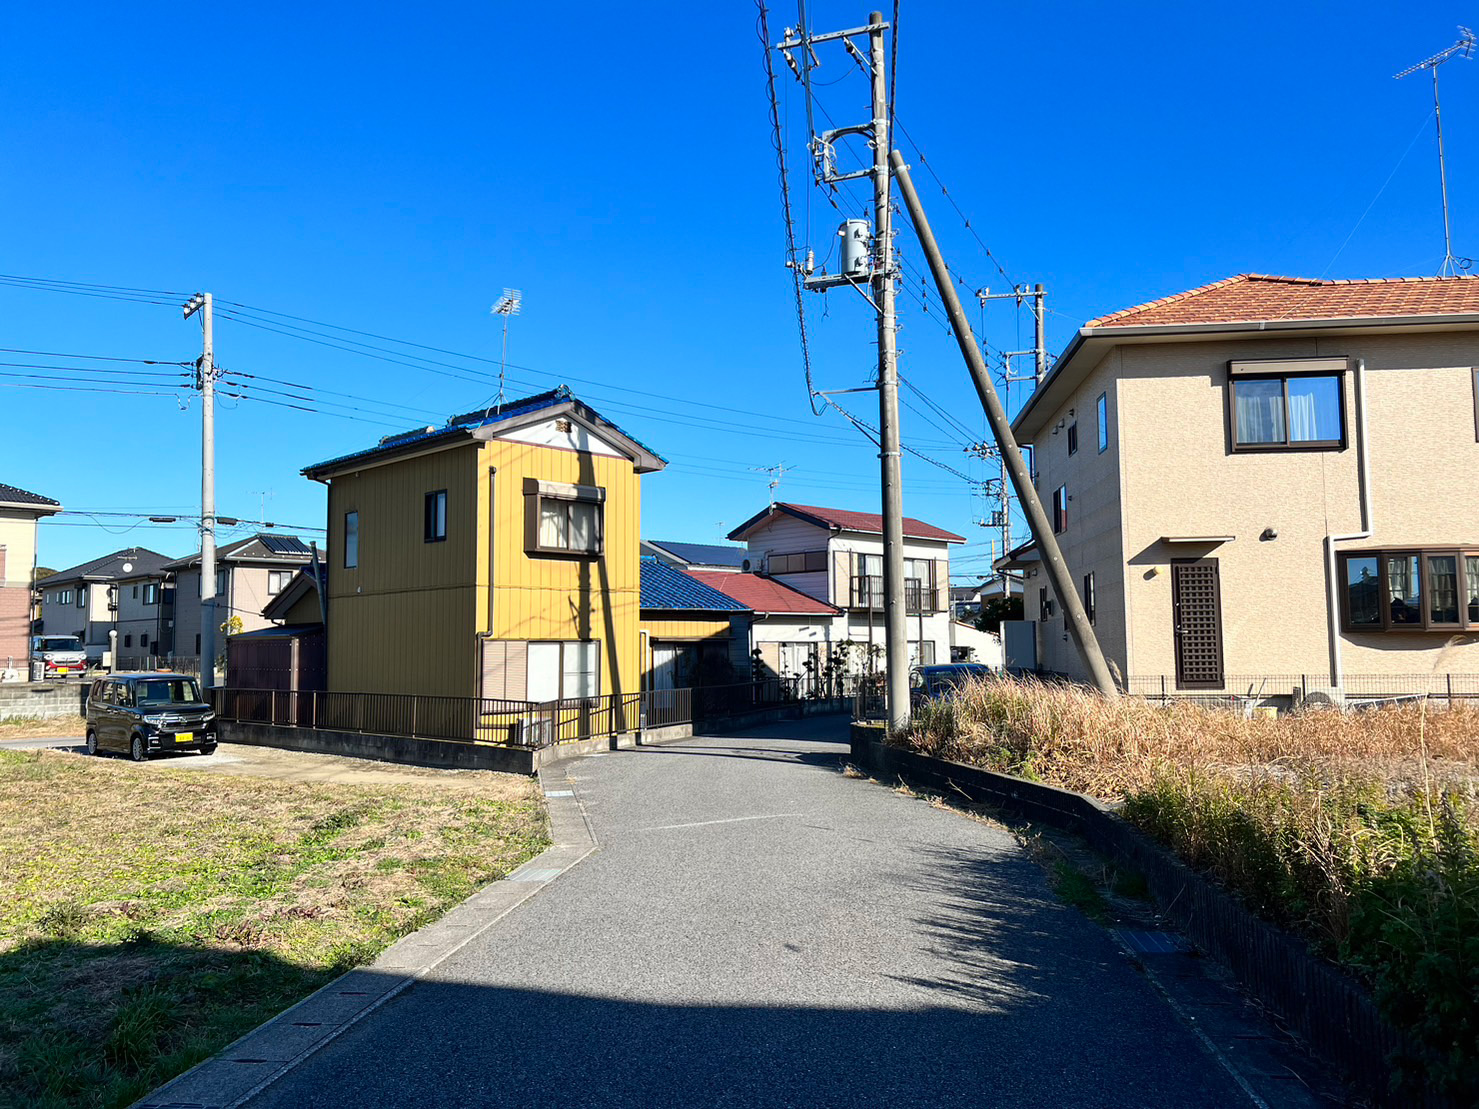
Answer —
1331 1011
43 699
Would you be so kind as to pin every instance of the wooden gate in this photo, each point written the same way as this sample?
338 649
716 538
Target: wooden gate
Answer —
1196 601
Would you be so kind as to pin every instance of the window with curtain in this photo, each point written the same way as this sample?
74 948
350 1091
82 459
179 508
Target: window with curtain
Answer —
564 519
564 670
1409 590
1291 412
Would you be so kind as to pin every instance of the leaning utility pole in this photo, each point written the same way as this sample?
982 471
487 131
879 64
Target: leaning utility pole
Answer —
201 302
1073 608
1039 344
895 616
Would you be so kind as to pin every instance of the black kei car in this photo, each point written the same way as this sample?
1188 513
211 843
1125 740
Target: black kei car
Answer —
143 714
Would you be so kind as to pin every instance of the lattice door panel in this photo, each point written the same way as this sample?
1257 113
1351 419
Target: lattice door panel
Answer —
1196 598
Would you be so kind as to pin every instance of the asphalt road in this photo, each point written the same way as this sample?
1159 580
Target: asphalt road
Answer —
757 929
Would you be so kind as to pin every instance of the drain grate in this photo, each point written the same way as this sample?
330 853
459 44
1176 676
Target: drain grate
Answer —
559 793
1151 943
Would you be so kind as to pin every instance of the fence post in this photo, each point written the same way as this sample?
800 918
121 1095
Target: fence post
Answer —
1163 690
313 708
414 700
272 708
359 714
1449 678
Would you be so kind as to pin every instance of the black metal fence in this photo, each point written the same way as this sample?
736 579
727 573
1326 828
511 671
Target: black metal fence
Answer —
459 719
1248 691
174 664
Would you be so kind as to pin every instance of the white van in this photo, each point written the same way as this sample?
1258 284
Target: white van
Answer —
57 656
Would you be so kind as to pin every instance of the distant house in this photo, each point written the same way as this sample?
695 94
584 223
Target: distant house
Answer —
694 634
291 652
1267 478
496 555
836 556
697 556
249 573
793 632
128 591
19 513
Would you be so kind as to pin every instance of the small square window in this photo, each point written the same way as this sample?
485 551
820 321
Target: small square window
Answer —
151 593
277 580
564 519
435 517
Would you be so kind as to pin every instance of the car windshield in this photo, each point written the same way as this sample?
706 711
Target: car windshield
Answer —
953 679
166 691
61 643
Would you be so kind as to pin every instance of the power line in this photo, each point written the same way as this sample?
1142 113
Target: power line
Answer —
96 357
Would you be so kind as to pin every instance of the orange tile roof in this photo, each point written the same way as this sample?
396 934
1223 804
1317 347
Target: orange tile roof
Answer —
762 594
1255 297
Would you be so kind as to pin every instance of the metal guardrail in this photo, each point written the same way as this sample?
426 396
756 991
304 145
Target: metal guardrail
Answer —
1241 691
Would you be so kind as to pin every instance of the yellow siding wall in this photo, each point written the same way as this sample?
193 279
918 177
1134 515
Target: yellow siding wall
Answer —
404 620
547 598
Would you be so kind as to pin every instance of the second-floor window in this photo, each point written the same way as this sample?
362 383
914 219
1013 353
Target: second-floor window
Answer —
82 596
564 519
277 580
1073 438
1288 405
151 593
1060 510
435 523
1101 414
351 540
805 562
1090 602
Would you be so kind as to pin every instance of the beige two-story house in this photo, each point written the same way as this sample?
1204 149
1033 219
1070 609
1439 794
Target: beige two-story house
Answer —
1267 482
19 512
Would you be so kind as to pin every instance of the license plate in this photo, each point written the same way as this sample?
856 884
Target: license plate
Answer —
61 669
184 737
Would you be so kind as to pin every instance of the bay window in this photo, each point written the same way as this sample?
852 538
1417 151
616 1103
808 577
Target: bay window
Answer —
1409 590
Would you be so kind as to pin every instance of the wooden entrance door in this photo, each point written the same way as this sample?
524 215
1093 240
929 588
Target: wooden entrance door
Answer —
1196 603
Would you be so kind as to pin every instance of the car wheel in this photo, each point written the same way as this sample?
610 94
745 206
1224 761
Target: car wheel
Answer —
209 749
92 742
136 749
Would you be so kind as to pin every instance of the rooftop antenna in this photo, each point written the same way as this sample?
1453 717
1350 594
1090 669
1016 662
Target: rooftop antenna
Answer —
507 305
776 472
1464 47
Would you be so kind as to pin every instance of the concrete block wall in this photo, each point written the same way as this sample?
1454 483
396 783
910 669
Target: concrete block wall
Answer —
43 699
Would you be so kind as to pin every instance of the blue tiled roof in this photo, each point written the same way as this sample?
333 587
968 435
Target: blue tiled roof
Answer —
470 421
705 554
668 588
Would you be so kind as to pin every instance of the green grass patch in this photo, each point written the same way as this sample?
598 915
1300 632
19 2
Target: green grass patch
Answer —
152 916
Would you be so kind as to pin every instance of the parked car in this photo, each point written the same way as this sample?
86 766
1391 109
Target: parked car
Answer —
930 683
143 714
56 656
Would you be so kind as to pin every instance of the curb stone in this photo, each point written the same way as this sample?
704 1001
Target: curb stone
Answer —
249 1065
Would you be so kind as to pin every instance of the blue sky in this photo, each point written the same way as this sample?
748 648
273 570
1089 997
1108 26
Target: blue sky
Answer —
392 171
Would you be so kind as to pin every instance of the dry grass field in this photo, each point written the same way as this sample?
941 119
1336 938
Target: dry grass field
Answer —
152 915
1359 830
36 727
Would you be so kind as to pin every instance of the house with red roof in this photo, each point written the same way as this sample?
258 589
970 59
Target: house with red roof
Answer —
815 582
1266 483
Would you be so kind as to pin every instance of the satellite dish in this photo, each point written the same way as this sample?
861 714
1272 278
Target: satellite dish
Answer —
128 567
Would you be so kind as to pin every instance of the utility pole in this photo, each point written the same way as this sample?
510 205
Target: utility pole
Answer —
895 615
1039 343
876 268
1057 568
201 302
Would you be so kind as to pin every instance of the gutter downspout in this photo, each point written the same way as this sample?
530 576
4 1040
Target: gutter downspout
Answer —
1363 472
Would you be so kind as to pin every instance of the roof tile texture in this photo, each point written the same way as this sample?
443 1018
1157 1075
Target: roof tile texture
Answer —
762 594
1254 297
871 522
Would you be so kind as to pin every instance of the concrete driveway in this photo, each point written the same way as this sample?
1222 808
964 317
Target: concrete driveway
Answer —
757 929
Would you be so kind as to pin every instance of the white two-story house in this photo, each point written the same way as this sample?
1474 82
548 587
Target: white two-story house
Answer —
835 556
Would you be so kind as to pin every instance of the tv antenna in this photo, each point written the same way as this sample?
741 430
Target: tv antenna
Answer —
507 305
776 472
1464 47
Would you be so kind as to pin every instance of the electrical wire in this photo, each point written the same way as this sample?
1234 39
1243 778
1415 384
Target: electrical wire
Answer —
95 357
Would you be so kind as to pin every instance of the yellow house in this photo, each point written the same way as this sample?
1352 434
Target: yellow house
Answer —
496 556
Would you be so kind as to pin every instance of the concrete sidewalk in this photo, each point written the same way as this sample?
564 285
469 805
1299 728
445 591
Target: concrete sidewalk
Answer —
757 929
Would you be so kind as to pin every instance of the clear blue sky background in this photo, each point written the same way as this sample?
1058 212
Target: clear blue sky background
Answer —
392 171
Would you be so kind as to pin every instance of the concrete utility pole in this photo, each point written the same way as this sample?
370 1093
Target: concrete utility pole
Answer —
1039 343
895 615
1073 608
201 302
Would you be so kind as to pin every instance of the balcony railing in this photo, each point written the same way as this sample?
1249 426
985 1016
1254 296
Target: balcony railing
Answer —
867 593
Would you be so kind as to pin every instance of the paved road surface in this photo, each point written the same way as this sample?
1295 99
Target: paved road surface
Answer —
759 930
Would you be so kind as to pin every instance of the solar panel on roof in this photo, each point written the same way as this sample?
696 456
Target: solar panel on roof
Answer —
284 544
